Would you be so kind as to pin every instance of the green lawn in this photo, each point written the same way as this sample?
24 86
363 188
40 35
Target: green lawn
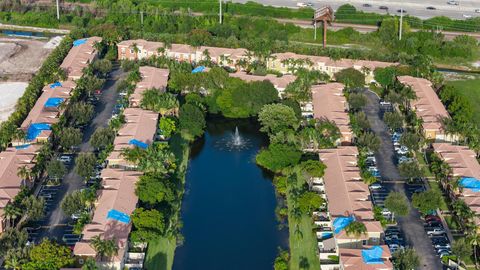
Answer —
451 222
423 164
160 253
303 242
436 186
471 90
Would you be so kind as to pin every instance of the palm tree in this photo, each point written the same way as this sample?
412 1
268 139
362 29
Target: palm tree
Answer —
25 174
15 258
135 50
10 213
104 247
33 207
474 240
356 228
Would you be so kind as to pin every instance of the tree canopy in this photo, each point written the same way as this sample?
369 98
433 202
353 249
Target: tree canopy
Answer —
48 256
149 224
278 157
351 78
397 203
191 120
427 201
276 118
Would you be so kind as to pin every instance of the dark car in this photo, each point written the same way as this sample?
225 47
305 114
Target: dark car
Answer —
400 10
432 218
367 5
431 8
383 7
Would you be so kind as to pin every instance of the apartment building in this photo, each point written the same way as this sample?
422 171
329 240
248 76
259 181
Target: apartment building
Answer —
11 160
151 78
116 202
46 112
281 62
116 199
139 49
330 103
464 165
280 83
138 131
80 56
428 107
348 199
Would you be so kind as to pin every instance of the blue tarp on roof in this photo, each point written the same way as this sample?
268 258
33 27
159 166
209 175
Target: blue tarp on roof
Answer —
341 222
55 84
138 143
35 129
326 235
471 183
53 102
372 255
119 216
198 69
79 42
25 146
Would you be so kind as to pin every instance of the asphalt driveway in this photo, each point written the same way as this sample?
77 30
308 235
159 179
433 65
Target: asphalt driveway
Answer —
411 225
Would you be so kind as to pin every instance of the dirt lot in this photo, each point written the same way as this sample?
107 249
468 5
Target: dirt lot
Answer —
21 58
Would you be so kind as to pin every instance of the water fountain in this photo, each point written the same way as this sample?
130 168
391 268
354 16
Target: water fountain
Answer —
237 140
234 142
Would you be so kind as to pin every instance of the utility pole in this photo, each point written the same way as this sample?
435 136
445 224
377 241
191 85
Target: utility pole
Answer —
315 31
58 11
220 11
401 23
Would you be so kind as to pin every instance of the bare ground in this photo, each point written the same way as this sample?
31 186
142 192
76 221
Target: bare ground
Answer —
21 58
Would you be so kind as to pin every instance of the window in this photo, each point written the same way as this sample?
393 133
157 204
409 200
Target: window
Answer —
364 242
131 50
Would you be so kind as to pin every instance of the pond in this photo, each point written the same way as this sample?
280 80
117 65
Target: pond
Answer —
228 210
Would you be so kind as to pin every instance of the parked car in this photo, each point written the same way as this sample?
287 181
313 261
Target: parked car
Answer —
434 231
375 186
301 4
65 159
442 246
453 3
403 159
386 212
431 8
434 223
477 10
393 237
467 16
367 5
383 7
400 10
432 218
403 150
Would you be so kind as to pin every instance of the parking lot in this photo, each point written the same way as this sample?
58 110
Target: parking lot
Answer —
410 230
56 225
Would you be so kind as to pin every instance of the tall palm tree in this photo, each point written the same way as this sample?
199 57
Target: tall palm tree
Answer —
474 240
356 228
10 213
33 207
104 247
135 50
25 174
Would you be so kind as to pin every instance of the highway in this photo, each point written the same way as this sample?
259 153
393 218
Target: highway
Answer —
413 7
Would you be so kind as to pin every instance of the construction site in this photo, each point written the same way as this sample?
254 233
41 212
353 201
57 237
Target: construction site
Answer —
20 59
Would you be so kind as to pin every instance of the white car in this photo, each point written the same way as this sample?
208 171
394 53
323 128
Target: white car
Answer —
402 150
386 212
477 10
375 186
301 4
65 159
466 16
453 3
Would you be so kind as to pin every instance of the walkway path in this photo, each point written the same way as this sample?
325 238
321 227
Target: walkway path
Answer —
411 225
54 225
